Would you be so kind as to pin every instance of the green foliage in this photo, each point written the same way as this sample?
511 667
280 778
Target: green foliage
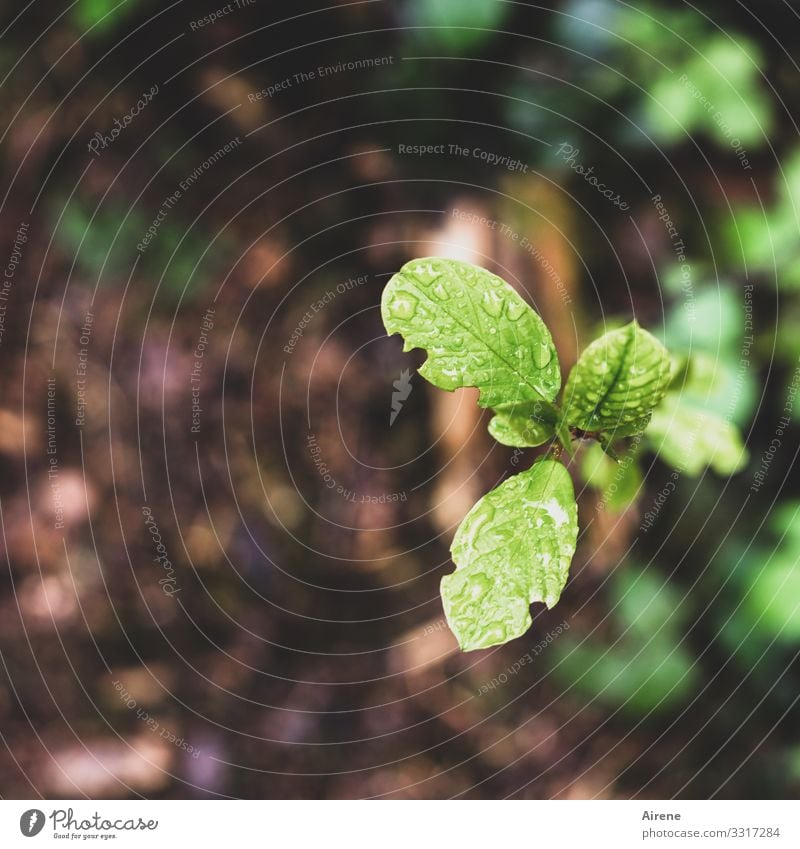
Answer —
477 329
99 244
516 544
100 15
514 548
618 483
691 439
653 63
104 246
769 583
520 425
757 616
691 430
456 26
718 94
646 668
764 240
714 336
618 381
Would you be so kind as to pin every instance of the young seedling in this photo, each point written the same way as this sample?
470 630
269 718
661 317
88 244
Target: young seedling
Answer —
516 544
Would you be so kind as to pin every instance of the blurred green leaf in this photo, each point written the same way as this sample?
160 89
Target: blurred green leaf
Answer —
457 26
617 482
772 588
774 599
101 14
104 247
717 93
716 322
646 669
688 438
760 620
719 384
766 240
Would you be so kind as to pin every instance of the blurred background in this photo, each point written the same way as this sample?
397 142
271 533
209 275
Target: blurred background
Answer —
226 496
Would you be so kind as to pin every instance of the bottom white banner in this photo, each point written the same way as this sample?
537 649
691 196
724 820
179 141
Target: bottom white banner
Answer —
355 824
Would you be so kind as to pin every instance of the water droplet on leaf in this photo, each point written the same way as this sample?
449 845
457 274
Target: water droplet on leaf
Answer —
541 355
516 309
404 306
492 303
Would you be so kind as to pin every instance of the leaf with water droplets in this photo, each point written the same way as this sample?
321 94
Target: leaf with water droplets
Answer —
477 331
513 548
521 425
617 382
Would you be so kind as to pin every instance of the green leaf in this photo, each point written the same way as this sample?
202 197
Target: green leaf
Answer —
773 600
769 581
690 438
101 14
520 425
631 428
617 381
456 26
618 482
726 75
759 616
513 548
647 669
476 329
714 379
784 521
717 321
